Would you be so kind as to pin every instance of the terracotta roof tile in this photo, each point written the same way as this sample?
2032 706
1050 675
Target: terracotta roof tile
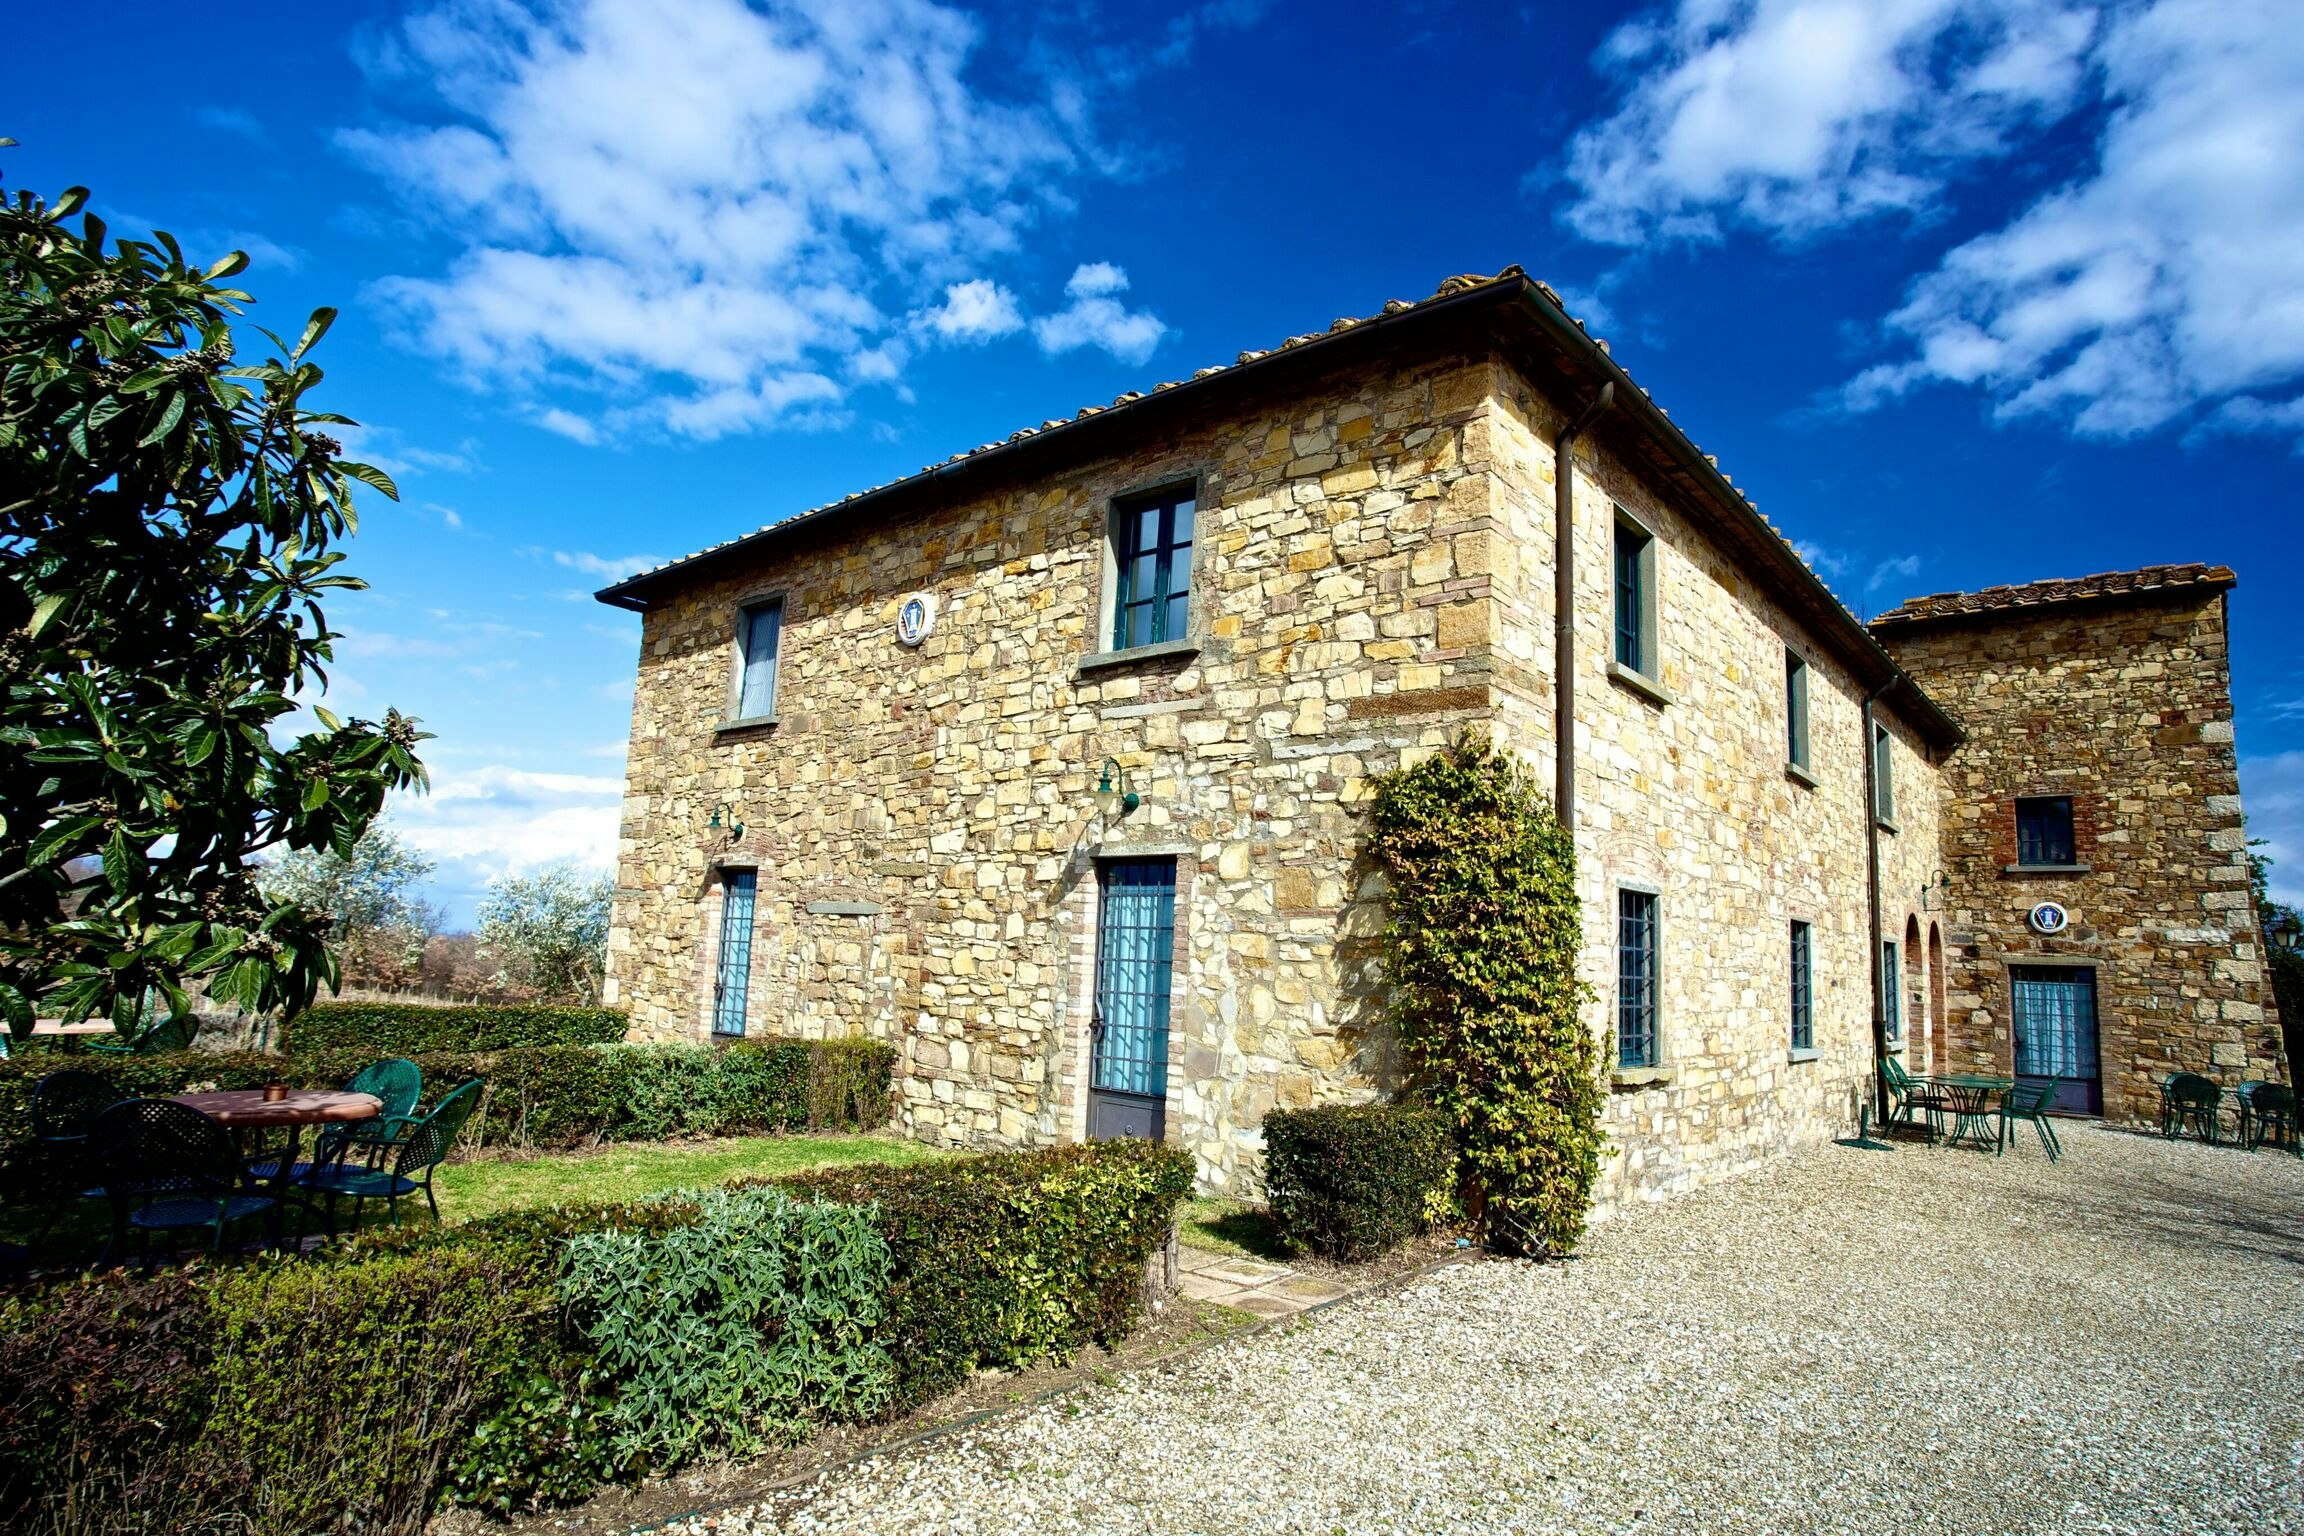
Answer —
2105 585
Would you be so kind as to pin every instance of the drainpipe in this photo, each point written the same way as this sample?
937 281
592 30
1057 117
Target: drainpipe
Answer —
1872 904
1564 607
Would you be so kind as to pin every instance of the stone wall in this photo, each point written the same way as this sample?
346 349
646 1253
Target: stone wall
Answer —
1373 575
2124 705
1689 796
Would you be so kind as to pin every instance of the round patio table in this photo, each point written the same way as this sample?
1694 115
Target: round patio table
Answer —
247 1108
1971 1094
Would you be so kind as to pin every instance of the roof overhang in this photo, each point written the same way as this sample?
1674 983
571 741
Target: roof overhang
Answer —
1514 314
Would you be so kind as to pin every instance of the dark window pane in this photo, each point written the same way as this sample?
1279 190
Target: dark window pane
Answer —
1635 979
1803 990
2044 830
1796 710
1631 597
1173 629
1891 994
1184 510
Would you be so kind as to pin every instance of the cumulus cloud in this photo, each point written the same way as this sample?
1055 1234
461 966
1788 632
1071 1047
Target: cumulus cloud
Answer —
977 310
1094 318
1797 116
2170 277
1899 568
480 823
707 210
2163 285
568 424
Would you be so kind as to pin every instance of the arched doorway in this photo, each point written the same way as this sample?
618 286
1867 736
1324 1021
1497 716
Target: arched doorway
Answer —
1915 998
1939 1058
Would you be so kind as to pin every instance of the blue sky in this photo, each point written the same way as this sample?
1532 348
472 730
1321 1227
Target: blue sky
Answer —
1963 291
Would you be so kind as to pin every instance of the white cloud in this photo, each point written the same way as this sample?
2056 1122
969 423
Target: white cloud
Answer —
1094 318
494 820
2167 279
1826 563
2272 792
1900 568
233 120
569 425
708 209
977 310
606 567
1796 116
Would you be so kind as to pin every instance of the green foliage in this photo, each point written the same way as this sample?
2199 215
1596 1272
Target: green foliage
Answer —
2288 996
167 517
1480 951
540 1097
549 931
1348 1182
745 1326
519 1360
1000 1261
371 897
403 1029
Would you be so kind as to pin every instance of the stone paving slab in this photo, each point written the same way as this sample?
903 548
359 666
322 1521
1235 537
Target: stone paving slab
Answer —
1252 1285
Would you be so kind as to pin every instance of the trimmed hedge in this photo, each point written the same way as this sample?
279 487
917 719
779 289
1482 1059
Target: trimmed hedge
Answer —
546 1097
406 1029
1349 1181
360 1389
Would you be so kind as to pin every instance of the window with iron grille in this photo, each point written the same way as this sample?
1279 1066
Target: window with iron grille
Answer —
1803 988
2044 830
1891 993
759 635
732 977
1152 541
1635 979
1635 577
1796 710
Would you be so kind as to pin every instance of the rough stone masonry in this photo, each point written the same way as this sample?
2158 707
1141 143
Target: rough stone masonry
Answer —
924 856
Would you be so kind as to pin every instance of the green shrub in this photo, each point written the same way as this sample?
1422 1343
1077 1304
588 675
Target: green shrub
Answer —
520 1360
1480 951
404 1029
1003 1260
2288 996
1348 1182
542 1097
743 1326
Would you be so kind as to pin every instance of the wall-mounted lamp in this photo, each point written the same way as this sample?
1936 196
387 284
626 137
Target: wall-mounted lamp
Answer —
726 818
1112 790
1936 895
2281 926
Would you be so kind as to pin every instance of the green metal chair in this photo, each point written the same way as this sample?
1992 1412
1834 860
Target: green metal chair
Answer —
1907 1093
2189 1100
2268 1113
2029 1101
414 1157
169 1168
170 1034
398 1083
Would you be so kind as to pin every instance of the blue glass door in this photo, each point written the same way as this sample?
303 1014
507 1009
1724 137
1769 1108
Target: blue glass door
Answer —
1128 1038
2054 1014
733 979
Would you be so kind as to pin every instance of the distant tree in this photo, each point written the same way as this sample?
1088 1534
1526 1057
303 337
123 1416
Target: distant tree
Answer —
549 931
166 520
379 921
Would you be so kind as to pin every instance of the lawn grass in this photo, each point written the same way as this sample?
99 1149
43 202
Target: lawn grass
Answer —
631 1170
1229 1226
485 1186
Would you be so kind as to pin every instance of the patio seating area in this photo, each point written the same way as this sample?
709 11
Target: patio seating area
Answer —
1985 1111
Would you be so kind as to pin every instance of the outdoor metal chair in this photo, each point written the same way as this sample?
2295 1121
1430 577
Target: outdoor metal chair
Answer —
64 1106
2029 1101
397 1084
1907 1094
413 1159
170 1034
169 1168
2268 1113
2189 1100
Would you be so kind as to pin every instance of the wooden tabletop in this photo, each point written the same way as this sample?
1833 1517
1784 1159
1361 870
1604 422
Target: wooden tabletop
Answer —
303 1106
83 1027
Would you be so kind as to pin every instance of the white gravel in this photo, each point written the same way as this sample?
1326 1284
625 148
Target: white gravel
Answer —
1921 1340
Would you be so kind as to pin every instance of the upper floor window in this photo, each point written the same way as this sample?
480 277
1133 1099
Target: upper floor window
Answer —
1891 993
2044 830
1803 986
1635 597
1152 546
1796 710
759 635
1883 775
1635 979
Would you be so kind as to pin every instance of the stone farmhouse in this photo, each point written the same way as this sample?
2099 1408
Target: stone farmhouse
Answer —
1046 765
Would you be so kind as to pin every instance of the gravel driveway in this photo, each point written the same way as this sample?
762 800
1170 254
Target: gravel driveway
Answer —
1876 1341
